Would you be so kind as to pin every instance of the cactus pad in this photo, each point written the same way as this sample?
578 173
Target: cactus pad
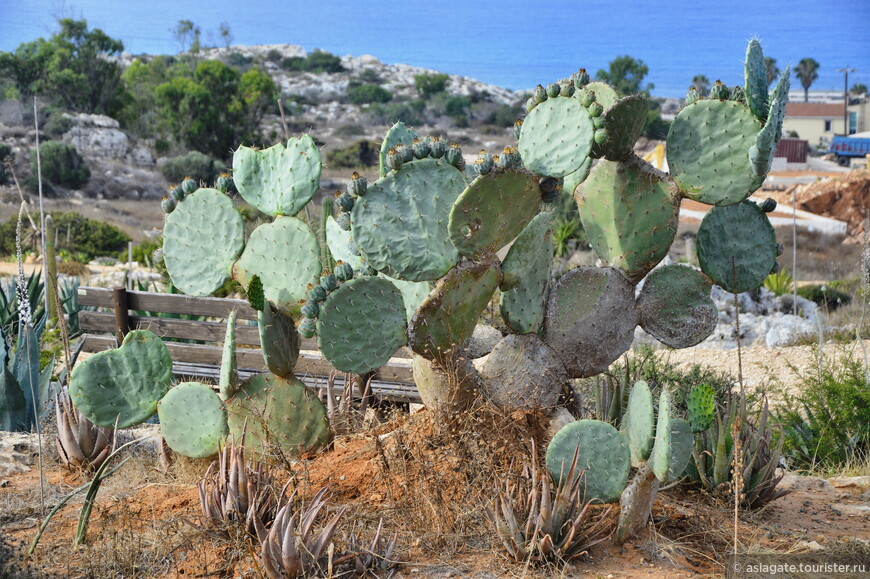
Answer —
413 293
556 137
123 384
398 134
681 448
448 316
279 341
341 245
590 319
277 411
522 372
624 120
570 182
629 213
526 276
228 381
708 151
638 422
675 306
362 324
492 211
660 458
285 256
737 244
605 95
755 73
701 404
401 223
279 180
603 454
192 420
443 388
202 239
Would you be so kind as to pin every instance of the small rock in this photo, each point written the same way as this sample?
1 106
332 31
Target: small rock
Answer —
813 546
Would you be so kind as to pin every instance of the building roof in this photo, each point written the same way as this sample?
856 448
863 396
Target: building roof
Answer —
823 110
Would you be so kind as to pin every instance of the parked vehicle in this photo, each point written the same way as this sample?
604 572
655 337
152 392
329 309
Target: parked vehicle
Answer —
846 148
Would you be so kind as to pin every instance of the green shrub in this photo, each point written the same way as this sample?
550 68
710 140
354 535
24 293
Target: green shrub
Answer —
61 165
83 238
505 116
293 63
429 84
360 154
57 125
194 164
825 296
826 423
410 113
5 153
369 93
322 61
369 75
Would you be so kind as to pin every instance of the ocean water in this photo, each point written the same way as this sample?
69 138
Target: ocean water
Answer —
508 42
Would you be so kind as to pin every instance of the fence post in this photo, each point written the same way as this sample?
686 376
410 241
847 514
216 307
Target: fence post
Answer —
122 314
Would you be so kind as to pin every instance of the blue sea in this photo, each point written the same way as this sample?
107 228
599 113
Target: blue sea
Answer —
512 43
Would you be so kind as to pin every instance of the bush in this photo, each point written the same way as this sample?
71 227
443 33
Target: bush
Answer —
429 84
318 61
360 154
825 296
369 93
61 165
5 153
194 164
77 235
57 125
410 113
505 116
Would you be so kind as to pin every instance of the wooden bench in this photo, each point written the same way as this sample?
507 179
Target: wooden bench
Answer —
130 310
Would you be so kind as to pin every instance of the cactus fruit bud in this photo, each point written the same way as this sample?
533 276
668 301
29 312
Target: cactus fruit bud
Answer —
566 89
345 201
768 205
453 154
357 185
328 281
168 204
316 293
540 94
394 159
598 122
776 267
692 96
343 220
587 98
580 78
421 149
553 90
738 94
518 128
176 193
509 158
780 248
600 135
407 153
310 309
343 271
224 183
437 148
483 163
188 185
719 91
307 328
595 110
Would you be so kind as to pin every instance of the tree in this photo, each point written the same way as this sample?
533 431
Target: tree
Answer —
429 84
626 74
701 84
858 89
772 69
71 69
225 34
807 72
188 35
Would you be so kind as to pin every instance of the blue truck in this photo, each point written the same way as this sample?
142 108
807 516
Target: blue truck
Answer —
847 148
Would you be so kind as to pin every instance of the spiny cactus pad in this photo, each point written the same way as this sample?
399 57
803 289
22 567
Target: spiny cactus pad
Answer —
701 405
192 420
590 319
708 151
400 225
681 448
285 256
492 211
522 372
629 213
755 73
762 152
624 120
448 316
123 384
737 246
414 293
277 411
279 180
556 137
570 182
202 239
675 306
362 324
638 422
279 341
456 385
228 381
660 458
342 245
399 134
603 454
526 277
605 95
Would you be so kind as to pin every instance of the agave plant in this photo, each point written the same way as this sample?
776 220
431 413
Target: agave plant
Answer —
537 524
378 558
290 548
81 444
237 491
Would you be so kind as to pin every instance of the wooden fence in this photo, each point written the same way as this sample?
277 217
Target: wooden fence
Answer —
129 310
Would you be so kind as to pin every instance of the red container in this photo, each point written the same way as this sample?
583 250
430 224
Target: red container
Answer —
794 150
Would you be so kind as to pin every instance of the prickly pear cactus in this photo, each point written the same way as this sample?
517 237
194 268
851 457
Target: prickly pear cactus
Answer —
702 407
192 419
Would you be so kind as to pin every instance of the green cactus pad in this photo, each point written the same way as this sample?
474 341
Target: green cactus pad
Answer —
192 420
398 134
202 239
228 381
277 411
448 316
624 120
701 405
660 458
570 182
123 384
413 293
526 276
604 457
590 319
605 95
675 306
638 422
285 256
737 244
556 137
708 151
362 324
762 152
341 245
492 211
279 180
400 225
279 341
629 213
755 73
681 448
